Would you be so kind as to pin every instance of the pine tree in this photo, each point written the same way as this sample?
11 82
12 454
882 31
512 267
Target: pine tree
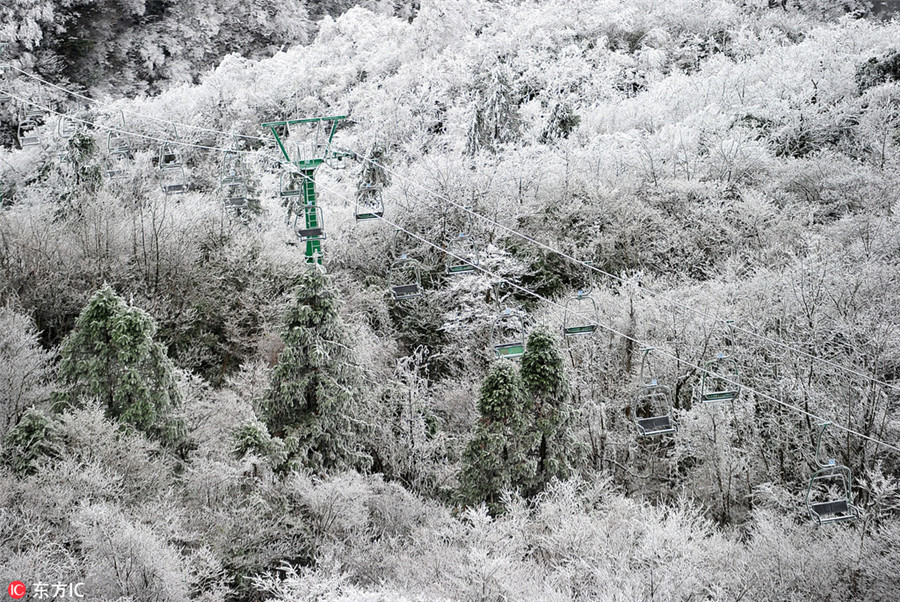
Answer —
498 457
544 379
314 382
111 355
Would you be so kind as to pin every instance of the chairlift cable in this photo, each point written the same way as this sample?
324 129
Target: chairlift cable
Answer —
648 291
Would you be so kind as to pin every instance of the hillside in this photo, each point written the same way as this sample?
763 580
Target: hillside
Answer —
192 409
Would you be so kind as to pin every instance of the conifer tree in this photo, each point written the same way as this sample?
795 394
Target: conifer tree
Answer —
314 382
544 379
498 458
111 356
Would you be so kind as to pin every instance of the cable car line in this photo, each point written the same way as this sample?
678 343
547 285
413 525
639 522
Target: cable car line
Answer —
649 291
612 330
371 215
525 290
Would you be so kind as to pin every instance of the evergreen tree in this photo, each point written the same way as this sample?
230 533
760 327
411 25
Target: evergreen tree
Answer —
498 457
314 382
111 355
544 378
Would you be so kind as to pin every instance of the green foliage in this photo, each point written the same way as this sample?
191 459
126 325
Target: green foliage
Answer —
498 458
562 122
544 379
111 356
36 436
312 388
252 438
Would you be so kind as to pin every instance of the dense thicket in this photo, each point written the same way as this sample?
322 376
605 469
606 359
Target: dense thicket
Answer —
739 158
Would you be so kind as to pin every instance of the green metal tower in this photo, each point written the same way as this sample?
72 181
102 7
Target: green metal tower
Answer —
302 177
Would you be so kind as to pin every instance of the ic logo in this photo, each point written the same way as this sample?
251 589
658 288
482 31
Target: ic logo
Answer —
16 590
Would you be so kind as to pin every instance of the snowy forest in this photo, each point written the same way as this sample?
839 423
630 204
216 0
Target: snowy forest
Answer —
507 301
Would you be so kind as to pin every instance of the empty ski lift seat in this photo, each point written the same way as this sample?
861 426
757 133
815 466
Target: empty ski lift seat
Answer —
310 224
651 404
172 180
369 203
658 425
657 398
405 279
829 495
508 336
463 256
581 316
714 388
27 133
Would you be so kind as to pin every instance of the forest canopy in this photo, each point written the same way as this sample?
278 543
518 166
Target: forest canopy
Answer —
455 397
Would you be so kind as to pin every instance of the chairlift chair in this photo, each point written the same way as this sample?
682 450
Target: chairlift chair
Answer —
581 315
309 224
508 335
721 378
172 180
369 203
405 279
232 169
829 495
170 152
651 405
462 256
291 184
117 164
65 128
235 196
27 132
169 156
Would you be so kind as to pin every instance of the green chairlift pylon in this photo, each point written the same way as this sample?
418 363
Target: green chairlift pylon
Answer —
304 165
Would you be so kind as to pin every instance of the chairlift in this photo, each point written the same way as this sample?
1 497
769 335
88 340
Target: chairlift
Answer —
310 224
508 335
462 255
66 128
232 169
27 132
117 164
235 195
581 315
651 405
337 160
118 150
829 496
721 378
170 155
291 184
172 180
405 279
369 202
